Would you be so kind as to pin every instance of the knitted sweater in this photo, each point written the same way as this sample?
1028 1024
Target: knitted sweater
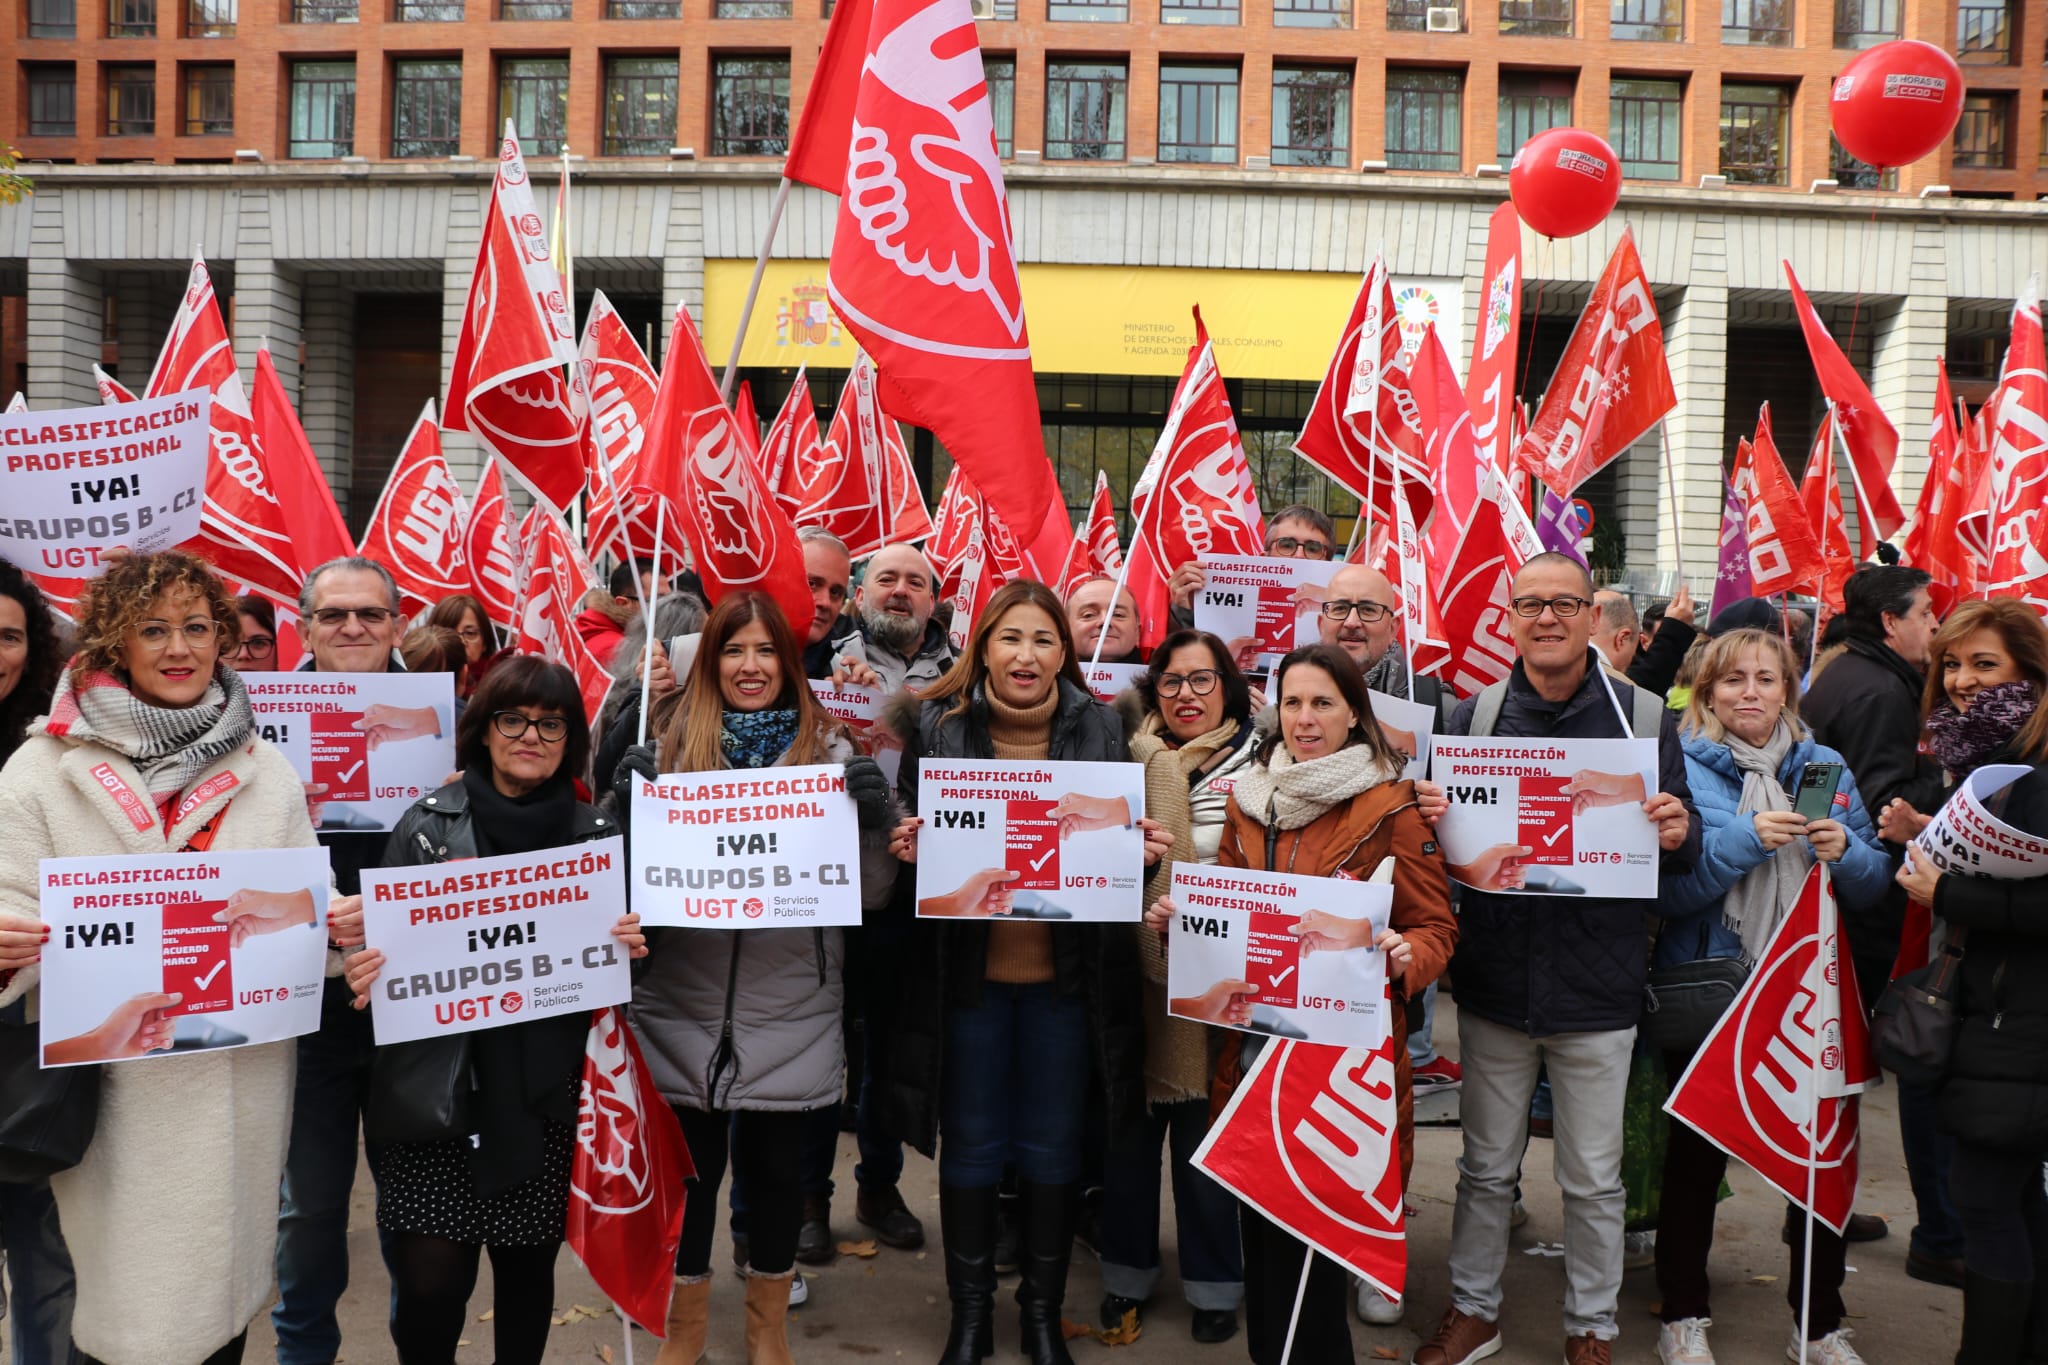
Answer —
1020 952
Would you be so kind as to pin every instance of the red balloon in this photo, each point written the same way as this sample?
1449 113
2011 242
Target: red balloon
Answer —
1564 181
1897 102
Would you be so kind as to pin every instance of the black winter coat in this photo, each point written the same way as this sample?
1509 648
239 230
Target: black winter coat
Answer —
1865 705
944 963
1995 1091
1564 964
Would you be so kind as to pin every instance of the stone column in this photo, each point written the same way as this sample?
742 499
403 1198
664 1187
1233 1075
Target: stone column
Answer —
327 387
65 302
1696 344
1906 340
465 232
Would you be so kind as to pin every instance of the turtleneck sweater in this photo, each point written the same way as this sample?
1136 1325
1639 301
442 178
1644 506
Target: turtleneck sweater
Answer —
1020 951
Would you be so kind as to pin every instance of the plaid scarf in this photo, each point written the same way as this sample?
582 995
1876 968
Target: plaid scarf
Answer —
170 746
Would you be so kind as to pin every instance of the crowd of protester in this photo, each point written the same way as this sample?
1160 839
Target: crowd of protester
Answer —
1037 1063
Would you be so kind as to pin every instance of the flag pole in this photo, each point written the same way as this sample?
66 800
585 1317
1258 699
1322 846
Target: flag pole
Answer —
739 332
626 1329
1812 1162
647 651
1671 501
1308 1260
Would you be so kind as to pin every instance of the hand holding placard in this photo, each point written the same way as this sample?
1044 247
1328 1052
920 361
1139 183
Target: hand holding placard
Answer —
140 1024
984 893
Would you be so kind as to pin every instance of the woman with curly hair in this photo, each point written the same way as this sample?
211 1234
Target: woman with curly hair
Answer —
149 748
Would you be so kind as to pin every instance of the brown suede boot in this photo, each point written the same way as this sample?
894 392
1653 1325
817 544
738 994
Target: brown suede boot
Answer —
689 1312
768 1320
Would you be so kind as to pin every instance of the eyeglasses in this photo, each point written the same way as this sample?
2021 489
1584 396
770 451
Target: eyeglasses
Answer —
515 724
1307 549
1201 682
1563 608
333 618
1368 612
257 646
470 633
156 635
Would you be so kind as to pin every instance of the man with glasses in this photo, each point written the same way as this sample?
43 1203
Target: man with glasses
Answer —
1296 532
1551 983
350 623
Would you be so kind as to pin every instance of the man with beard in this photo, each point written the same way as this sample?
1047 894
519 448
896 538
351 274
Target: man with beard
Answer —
1087 608
895 602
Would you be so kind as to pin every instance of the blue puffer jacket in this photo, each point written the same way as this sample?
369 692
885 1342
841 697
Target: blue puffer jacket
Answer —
1729 848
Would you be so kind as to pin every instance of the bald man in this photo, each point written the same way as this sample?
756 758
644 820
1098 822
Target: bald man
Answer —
1087 605
895 601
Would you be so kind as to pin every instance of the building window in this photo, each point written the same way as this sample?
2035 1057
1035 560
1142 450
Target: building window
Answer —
1643 118
1984 34
533 11
1754 123
750 9
324 11
209 100
1852 174
749 106
1311 116
210 18
1197 11
1756 23
1536 18
2041 159
428 11
1084 110
1425 119
534 93
1412 16
639 106
1983 134
1001 74
1530 103
426 108
1086 12
1865 23
131 18
131 100
1198 113
53 101
1312 14
645 9
1647 21
53 18
323 114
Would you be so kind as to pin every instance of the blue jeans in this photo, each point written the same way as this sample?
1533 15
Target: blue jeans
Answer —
1421 1044
1015 1087
319 1173
881 1151
41 1287
1205 1214
1939 1232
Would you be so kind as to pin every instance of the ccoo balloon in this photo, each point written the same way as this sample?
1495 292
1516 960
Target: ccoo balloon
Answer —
1565 181
1897 102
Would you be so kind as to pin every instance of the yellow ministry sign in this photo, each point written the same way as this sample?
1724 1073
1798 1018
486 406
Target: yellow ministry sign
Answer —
1093 319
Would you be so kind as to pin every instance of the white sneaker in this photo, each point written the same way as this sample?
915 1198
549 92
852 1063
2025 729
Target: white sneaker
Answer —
1685 1342
799 1291
1375 1308
1638 1249
1832 1349
1518 1215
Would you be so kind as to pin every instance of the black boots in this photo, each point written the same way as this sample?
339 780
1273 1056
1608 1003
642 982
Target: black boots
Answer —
967 1224
1994 1320
1047 1213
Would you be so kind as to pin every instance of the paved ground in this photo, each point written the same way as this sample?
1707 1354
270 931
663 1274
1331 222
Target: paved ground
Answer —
891 1307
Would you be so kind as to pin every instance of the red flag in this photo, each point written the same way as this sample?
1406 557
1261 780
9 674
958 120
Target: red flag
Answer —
1195 496
1474 589
295 471
627 1185
244 531
1311 1139
1820 494
1932 542
791 446
824 125
988 555
843 486
739 537
959 505
921 271
748 419
487 548
1490 382
909 522
1775 1085
1868 435
1973 527
556 581
621 384
509 382
2019 463
1097 550
111 389
1784 553
1611 385
420 521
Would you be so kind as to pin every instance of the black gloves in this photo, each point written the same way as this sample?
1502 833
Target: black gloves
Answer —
637 761
870 792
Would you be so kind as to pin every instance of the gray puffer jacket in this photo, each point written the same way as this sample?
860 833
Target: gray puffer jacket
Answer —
749 1018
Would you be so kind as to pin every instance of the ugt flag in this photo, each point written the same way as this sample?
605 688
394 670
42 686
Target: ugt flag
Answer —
1775 1085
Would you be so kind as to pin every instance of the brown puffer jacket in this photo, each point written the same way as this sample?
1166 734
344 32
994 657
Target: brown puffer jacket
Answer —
1355 837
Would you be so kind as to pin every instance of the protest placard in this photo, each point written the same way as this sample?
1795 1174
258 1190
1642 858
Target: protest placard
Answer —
861 709
82 481
1272 952
1107 681
484 942
770 848
1966 839
1407 726
1030 840
1549 817
1271 605
376 741
181 952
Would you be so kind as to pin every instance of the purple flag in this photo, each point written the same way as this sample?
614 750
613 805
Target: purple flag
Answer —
1731 579
1557 525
